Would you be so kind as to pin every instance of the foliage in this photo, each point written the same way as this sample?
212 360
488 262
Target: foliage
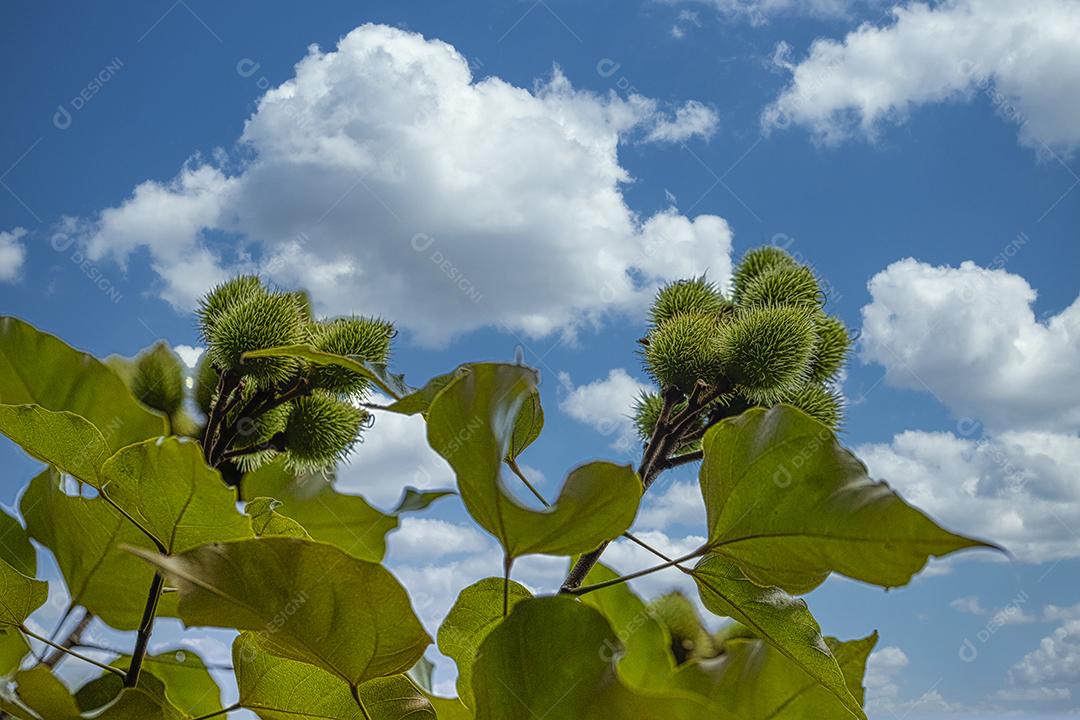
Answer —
233 521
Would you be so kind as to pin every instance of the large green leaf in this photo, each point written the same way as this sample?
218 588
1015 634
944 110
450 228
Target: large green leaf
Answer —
13 648
186 681
167 488
647 661
41 692
62 439
390 383
471 424
277 688
753 681
38 368
476 612
784 621
345 521
266 520
15 547
314 602
85 535
450 708
419 401
19 595
547 660
790 505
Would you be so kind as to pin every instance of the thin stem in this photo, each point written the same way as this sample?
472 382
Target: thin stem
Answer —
73 639
536 493
507 563
640 573
127 516
222 711
228 382
683 459
131 679
30 633
359 703
277 442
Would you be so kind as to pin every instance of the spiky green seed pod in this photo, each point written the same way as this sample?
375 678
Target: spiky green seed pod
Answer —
257 323
784 286
831 349
223 298
689 638
320 431
364 338
697 296
206 382
303 303
754 263
819 402
260 430
158 379
647 407
682 350
766 351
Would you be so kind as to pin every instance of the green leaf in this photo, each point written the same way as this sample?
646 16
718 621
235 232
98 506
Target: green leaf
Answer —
15 547
85 535
37 368
41 691
527 427
42 696
419 401
183 675
787 503
476 612
266 520
391 384
450 708
62 439
784 621
647 661
471 424
345 521
277 688
171 492
322 606
413 500
19 595
547 660
755 682
13 649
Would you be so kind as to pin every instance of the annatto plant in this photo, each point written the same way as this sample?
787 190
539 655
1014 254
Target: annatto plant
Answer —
325 631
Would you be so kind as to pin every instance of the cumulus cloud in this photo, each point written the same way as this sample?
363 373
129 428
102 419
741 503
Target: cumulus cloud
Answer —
1056 662
882 671
606 405
1021 58
679 504
970 336
1018 488
759 12
386 179
12 254
431 539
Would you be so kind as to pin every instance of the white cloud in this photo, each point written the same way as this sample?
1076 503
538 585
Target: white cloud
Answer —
691 120
1055 662
12 254
1020 489
969 336
386 180
882 669
432 539
969 604
190 355
606 405
1021 58
680 504
394 454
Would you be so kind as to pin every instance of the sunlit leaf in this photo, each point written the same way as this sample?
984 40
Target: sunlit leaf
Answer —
186 681
527 426
322 605
170 491
85 535
782 620
471 424
62 439
266 520
19 595
413 500
13 648
548 659
418 401
277 688
37 368
15 547
476 612
790 505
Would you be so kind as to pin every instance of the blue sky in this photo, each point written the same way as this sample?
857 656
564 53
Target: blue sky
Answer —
522 174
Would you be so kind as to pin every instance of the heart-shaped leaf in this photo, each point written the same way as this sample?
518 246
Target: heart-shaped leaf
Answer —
782 620
787 503
313 602
39 369
167 488
277 688
471 424
19 595
550 659
476 612
183 675
64 440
